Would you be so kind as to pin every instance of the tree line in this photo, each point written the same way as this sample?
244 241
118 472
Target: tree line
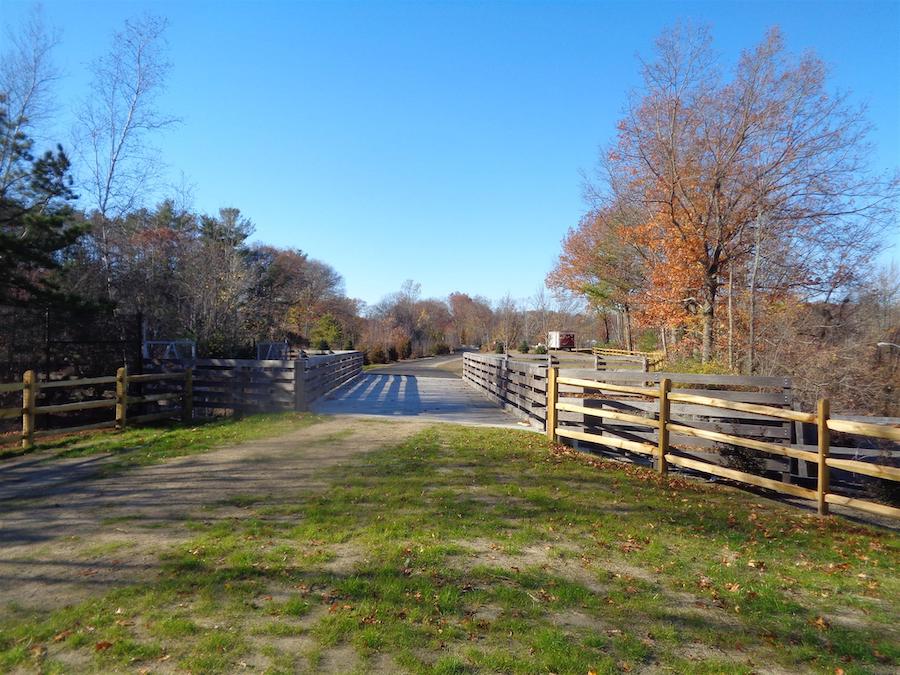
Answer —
736 218
82 254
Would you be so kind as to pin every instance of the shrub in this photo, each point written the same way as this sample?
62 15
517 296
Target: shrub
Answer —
392 353
523 346
647 342
376 355
404 349
322 344
441 348
540 349
498 347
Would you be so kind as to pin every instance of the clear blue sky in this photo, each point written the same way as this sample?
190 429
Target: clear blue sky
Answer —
441 142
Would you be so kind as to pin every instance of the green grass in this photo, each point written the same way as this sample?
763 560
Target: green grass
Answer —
141 446
467 550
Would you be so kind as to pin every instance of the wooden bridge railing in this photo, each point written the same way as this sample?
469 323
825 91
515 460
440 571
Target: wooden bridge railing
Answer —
210 386
659 418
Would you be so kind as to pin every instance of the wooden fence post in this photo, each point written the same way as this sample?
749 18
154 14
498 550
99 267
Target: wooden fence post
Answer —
822 484
187 396
121 398
300 385
665 386
29 394
552 400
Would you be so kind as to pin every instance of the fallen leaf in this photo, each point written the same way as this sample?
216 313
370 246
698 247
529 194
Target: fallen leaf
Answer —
102 646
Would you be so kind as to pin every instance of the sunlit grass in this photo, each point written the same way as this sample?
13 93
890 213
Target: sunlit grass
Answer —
468 550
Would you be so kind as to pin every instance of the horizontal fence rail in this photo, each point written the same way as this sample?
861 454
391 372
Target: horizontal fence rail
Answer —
113 393
207 385
667 423
518 386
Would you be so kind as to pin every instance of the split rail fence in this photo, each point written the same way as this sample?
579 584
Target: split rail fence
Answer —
694 422
113 391
206 388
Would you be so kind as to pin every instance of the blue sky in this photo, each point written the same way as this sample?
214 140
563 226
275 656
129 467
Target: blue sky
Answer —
442 142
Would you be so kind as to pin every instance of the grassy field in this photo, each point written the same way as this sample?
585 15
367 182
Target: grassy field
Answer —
141 446
477 550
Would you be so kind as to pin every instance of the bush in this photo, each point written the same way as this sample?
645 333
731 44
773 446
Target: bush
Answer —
322 344
376 355
441 348
404 349
647 342
523 346
540 349
392 353
498 347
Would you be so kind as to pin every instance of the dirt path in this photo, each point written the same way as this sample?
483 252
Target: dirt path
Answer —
65 535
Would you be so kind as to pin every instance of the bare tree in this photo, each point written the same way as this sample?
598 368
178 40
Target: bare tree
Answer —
27 74
115 123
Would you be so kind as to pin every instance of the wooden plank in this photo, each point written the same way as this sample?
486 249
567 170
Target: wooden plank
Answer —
10 413
83 382
152 398
781 413
759 381
867 468
70 407
604 386
109 424
155 377
11 386
864 429
620 443
863 505
742 477
608 414
774 448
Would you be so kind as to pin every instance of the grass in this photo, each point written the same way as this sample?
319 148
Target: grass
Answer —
141 446
466 550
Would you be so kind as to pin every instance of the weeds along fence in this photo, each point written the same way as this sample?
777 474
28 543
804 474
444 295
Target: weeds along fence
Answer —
738 428
176 390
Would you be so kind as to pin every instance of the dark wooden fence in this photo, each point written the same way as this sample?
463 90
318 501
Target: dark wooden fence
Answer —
173 390
740 428
518 386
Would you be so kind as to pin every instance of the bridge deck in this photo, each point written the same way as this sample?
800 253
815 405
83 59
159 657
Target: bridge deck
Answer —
419 389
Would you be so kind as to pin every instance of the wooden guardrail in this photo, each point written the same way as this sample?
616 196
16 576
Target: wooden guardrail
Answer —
518 386
239 386
119 398
624 359
663 424
209 386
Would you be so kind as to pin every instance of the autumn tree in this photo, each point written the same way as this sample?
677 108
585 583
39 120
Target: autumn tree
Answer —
713 166
600 260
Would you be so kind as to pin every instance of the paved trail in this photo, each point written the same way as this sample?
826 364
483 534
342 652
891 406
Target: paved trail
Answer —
427 389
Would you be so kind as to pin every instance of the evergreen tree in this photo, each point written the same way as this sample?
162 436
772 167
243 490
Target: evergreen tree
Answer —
36 217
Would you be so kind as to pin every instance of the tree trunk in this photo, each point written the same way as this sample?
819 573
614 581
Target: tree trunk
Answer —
665 344
709 319
751 332
626 323
730 317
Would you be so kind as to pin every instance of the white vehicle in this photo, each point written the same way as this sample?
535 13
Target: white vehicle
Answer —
560 339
